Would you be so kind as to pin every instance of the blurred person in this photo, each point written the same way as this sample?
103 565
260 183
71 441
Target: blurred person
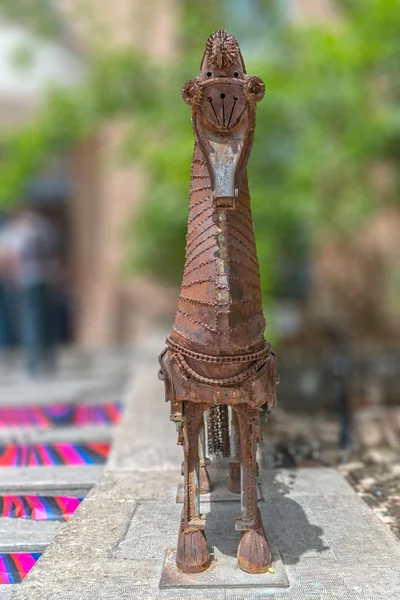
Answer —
8 336
28 253
4 316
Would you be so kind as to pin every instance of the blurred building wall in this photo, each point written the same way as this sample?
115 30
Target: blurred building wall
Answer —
110 308
313 10
27 65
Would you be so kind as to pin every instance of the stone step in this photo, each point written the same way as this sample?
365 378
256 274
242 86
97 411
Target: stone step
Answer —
61 390
51 481
37 435
330 544
26 535
6 591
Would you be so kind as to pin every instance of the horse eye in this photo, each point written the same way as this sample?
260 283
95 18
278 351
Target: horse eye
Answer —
236 74
209 74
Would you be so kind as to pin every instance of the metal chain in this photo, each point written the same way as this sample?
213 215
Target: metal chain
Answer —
218 431
218 359
228 380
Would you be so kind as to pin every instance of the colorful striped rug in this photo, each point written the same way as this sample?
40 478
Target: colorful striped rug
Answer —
59 453
60 415
39 508
14 566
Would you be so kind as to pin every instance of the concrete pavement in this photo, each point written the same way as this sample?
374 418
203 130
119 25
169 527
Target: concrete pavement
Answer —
331 545
90 379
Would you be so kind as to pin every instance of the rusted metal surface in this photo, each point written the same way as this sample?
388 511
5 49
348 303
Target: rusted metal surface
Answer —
216 355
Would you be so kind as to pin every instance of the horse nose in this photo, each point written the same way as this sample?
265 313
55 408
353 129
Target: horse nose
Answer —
223 108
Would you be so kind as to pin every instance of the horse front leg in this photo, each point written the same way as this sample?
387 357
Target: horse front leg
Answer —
254 555
192 554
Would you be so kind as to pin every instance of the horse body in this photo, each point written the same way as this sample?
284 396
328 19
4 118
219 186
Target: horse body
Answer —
220 309
216 355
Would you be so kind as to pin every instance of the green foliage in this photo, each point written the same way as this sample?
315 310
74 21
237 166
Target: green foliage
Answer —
40 15
330 115
68 117
118 83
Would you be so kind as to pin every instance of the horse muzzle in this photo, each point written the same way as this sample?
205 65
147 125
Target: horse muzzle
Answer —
223 118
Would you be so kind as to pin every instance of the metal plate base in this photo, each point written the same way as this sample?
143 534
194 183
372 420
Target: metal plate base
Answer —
223 573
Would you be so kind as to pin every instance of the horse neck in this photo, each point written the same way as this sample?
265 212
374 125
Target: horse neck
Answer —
220 309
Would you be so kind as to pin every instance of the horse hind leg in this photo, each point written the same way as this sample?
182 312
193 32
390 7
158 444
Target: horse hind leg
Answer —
234 460
192 554
254 555
204 478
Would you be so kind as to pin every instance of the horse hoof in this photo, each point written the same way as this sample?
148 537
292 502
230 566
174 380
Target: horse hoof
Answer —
192 554
254 554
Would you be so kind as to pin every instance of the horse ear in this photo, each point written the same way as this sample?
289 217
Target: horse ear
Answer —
254 89
191 93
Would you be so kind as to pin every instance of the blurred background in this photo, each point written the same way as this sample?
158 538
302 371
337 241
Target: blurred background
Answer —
95 156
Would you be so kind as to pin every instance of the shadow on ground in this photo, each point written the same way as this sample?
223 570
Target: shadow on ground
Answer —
286 522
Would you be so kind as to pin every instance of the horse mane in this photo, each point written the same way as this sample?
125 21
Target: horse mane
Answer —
222 50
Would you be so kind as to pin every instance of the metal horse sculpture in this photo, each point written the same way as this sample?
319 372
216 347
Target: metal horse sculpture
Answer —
216 355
